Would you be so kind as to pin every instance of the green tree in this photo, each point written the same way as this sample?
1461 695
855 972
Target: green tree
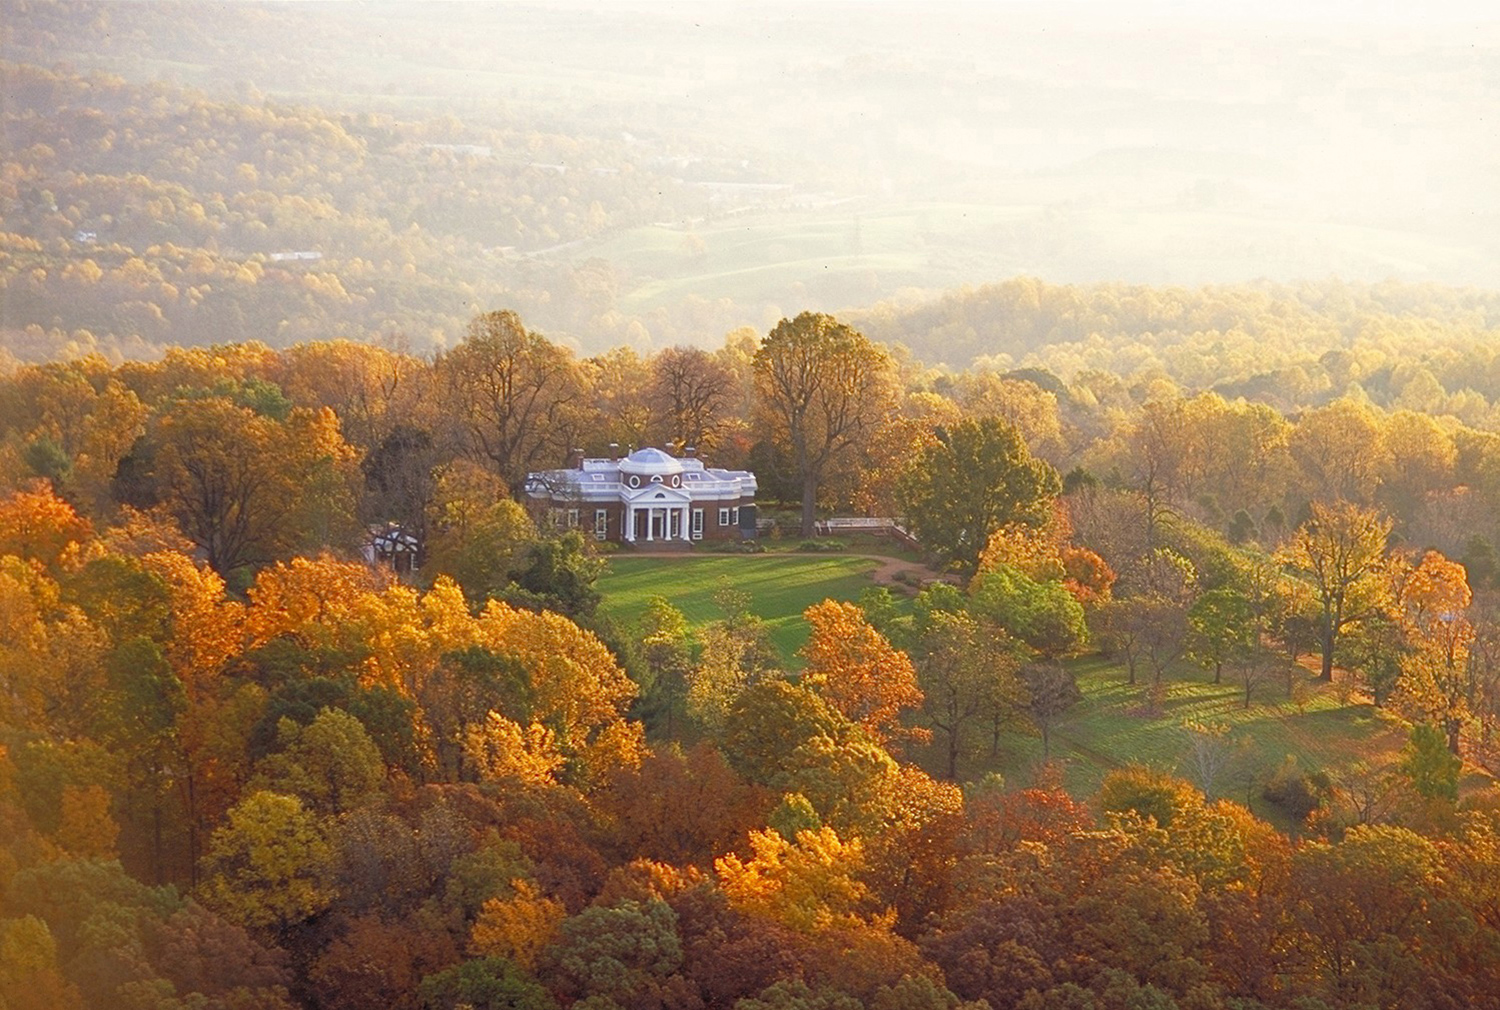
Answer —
629 952
1431 767
486 983
967 675
1044 615
1221 629
975 478
331 763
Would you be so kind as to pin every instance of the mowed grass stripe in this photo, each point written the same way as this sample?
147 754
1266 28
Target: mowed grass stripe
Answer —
781 587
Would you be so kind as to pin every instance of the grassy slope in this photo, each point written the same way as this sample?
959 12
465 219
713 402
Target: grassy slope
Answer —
1110 728
781 586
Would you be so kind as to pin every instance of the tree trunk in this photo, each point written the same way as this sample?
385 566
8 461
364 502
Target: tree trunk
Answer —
1218 673
1326 673
809 503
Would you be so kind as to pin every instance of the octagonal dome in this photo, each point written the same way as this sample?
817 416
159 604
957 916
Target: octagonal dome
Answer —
650 462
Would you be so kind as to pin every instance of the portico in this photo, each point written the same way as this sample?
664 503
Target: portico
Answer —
651 521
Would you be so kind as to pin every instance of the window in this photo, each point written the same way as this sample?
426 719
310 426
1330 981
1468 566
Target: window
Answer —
601 524
656 479
572 519
697 524
734 516
723 517
635 481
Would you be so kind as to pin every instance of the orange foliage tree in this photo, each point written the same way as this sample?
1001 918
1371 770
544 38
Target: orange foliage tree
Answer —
858 671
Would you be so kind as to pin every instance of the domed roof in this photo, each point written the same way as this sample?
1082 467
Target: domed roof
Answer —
650 461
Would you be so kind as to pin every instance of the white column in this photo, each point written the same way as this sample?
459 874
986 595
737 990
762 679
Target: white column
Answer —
628 533
687 522
650 523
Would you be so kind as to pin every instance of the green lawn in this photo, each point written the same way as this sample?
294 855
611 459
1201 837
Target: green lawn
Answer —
781 587
1111 727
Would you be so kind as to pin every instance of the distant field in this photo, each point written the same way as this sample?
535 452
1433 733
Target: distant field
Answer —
1107 729
825 254
781 587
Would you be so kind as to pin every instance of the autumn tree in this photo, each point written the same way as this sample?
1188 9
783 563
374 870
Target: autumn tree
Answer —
968 675
1051 689
1341 550
857 671
245 487
1435 678
977 477
518 396
265 866
480 536
1340 450
821 387
38 525
691 391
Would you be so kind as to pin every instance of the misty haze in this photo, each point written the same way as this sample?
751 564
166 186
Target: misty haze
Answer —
654 174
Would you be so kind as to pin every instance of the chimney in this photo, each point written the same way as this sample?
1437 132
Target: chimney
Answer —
690 451
575 461
614 450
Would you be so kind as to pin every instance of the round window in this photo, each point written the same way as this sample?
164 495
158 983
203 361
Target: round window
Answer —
635 481
676 481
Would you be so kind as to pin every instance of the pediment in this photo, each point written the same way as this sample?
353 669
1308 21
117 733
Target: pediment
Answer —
654 494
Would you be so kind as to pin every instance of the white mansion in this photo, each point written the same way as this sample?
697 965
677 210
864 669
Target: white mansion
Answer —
649 496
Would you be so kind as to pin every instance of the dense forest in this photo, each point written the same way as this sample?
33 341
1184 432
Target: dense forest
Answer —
241 767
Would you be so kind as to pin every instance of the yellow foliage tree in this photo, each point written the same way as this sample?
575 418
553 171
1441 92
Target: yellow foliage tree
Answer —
315 599
207 628
37 525
1434 599
519 927
504 749
577 689
808 885
266 864
1341 549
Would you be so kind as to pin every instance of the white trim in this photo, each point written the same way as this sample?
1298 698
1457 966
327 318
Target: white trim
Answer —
723 517
697 524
